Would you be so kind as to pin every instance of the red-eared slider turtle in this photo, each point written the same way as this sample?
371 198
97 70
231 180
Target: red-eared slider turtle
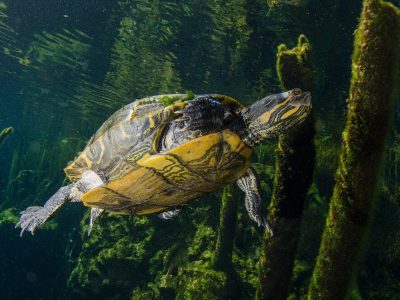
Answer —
157 153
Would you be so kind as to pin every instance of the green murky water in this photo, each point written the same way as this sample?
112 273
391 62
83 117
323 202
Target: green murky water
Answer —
65 66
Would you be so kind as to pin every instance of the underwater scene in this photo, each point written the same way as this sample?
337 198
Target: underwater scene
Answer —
199 149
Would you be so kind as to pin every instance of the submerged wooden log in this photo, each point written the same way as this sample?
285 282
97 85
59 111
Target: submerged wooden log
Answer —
373 80
293 177
226 230
225 241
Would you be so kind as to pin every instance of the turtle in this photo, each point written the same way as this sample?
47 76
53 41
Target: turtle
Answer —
156 154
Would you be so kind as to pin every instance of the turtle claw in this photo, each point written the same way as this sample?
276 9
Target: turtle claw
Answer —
94 214
169 214
31 218
182 119
267 226
178 112
261 221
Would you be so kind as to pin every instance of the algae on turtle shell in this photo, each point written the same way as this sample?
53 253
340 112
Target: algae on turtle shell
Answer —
4 134
373 82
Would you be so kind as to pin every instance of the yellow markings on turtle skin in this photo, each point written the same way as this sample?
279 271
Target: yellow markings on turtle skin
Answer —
75 169
134 158
264 118
290 112
225 100
157 137
236 144
177 106
85 158
138 154
152 123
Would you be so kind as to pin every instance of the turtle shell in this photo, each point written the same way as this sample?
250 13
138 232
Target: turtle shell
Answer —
142 181
129 130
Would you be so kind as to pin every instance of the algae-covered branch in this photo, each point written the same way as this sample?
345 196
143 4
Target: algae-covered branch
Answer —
373 80
293 177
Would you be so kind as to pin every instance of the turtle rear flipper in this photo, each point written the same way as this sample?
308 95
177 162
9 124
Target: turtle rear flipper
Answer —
169 214
94 214
248 183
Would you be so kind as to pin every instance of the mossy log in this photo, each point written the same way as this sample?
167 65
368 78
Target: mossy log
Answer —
295 159
226 237
373 80
226 229
5 133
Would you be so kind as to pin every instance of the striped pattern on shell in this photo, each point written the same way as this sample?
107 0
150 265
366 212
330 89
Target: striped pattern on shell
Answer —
141 181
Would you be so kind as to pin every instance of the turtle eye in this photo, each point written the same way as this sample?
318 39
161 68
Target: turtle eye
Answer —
296 92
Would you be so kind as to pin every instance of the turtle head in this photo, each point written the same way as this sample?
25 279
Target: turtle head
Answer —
275 114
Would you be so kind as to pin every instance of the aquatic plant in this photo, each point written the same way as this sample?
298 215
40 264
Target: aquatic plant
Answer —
287 2
141 63
10 52
295 158
57 70
8 216
4 134
373 81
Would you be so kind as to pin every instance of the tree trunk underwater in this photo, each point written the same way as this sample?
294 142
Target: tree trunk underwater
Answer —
295 159
226 238
226 230
373 80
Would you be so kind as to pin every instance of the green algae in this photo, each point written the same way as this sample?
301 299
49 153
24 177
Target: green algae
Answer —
4 134
112 256
202 283
374 66
9 216
168 100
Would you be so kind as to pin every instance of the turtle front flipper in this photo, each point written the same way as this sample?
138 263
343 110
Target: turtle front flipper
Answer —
34 216
248 183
